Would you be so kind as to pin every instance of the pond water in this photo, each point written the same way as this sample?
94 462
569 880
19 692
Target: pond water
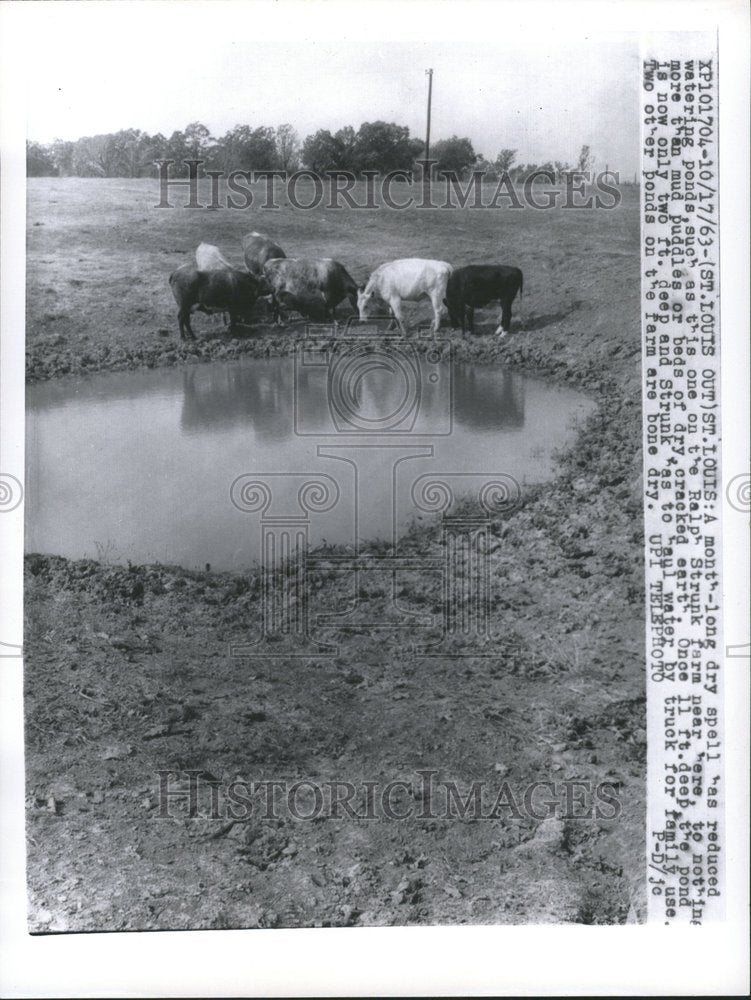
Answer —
140 466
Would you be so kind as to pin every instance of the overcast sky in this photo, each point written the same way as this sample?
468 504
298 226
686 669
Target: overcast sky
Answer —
503 81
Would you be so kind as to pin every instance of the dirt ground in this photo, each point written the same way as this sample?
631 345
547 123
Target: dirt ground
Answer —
128 671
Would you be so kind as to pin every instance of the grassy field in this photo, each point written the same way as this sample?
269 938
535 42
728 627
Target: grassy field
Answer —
100 255
127 669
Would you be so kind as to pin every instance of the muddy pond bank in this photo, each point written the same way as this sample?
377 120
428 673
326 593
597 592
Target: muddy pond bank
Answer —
128 674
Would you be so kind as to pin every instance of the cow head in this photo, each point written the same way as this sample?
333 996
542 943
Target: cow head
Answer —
312 306
264 288
363 301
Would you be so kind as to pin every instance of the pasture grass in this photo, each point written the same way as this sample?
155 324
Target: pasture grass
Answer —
100 254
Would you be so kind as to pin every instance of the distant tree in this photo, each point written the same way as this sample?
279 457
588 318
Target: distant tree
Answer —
198 141
322 151
261 151
158 148
176 148
132 152
504 160
62 156
346 139
383 146
39 160
561 169
585 161
246 148
287 147
228 151
95 156
455 154
542 173
487 168
523 170
418 149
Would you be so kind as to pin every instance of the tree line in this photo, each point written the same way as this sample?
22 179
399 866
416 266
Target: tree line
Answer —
378 146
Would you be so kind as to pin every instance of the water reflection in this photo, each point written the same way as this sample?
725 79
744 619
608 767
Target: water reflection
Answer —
263 395
236 395
488 397
140 464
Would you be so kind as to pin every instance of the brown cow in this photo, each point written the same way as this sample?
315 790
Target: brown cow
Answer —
312 286
257 249
231 291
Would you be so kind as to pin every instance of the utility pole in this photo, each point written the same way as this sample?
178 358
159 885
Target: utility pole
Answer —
430 101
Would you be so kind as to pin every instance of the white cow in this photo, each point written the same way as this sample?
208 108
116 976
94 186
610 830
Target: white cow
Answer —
411 278
210 258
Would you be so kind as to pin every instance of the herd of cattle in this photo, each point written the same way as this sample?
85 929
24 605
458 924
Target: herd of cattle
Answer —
314 287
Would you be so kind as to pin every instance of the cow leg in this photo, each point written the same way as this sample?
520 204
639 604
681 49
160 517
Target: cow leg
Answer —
396 308
436 300
471 318
276 312
186 330
392 321
505 325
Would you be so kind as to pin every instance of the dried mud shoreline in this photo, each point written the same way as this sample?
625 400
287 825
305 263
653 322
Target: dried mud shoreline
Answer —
55 357
128 673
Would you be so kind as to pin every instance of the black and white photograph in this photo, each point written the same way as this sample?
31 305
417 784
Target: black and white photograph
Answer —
374 485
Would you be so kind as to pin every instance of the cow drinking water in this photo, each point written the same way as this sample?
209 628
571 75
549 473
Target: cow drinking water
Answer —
408 279
312 286
231 291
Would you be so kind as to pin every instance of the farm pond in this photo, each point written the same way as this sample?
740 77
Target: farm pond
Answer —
185 466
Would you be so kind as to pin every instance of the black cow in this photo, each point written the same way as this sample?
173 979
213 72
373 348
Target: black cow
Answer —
231 291
475 286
